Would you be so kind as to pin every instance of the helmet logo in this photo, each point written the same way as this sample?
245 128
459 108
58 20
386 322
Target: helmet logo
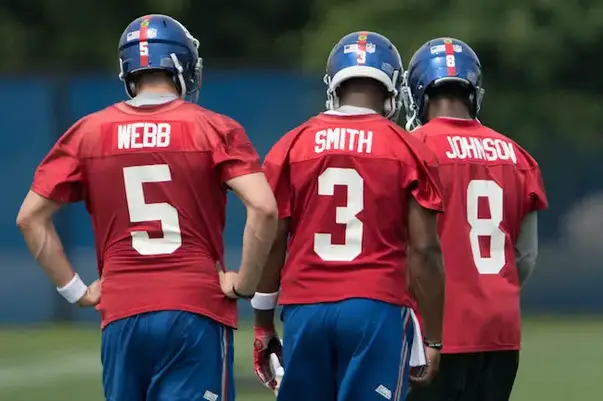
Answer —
361 52
135 35
143 45
450 60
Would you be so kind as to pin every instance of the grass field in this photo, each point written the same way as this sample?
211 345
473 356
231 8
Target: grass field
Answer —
562 361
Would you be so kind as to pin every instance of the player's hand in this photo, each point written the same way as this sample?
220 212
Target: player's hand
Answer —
92 295
425 375
279 371
227 281
265 344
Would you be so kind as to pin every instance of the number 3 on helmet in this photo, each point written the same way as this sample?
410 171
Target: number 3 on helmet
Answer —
365 55
160 43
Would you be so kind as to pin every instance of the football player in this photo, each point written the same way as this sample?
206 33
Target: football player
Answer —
493 191
357 203
153 173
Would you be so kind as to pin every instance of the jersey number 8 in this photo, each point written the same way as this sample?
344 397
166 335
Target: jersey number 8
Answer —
486 227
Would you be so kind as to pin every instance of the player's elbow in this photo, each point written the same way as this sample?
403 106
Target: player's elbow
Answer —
29 216
428 255
254 191
25 220
264 207
268 209
427 248
525 268
35 211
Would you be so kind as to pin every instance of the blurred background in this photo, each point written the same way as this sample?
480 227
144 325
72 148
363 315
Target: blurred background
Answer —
264 62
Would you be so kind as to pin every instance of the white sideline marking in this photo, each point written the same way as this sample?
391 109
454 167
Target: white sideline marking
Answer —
48 370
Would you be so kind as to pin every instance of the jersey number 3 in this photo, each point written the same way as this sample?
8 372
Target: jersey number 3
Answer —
140 211
486 227
346 215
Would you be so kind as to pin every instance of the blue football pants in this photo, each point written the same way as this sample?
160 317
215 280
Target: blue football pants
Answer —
167 356
352 350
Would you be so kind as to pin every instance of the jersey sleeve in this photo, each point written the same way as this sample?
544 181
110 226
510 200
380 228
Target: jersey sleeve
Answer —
277 173
421 178
535 195
234 155
59 177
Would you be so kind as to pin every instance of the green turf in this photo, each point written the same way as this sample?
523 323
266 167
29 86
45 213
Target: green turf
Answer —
562 361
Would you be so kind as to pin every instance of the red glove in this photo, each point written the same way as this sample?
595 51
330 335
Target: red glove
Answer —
265 343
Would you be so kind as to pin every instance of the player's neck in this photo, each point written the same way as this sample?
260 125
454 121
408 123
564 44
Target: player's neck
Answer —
363 102
157 89
449 110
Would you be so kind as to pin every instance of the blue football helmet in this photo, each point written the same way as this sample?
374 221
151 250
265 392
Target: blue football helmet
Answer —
159 42
440 61
365 55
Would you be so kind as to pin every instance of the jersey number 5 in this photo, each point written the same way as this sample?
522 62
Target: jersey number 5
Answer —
486 227
140 211
346 215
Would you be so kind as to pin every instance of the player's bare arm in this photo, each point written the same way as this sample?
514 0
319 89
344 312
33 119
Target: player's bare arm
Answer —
271 276
426 268
35 223
266 339
260 228
426 279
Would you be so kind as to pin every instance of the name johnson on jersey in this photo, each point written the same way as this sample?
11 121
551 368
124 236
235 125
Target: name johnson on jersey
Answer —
490 149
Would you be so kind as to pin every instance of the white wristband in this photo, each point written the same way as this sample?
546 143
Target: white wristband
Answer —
263 301
74 290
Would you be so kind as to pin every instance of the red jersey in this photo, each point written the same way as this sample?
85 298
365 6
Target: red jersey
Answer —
153 180
343 183
489 185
